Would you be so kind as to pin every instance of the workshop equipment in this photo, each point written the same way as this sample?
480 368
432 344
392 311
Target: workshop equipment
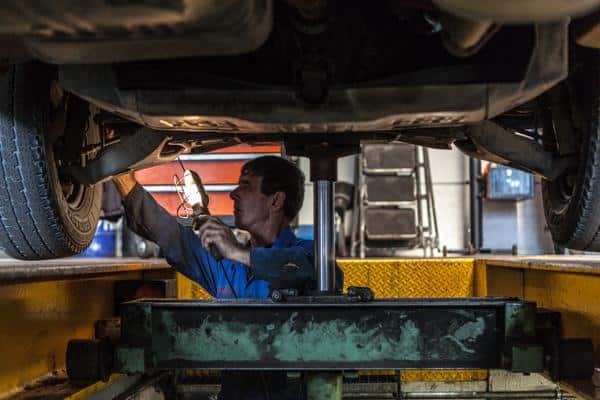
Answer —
394 202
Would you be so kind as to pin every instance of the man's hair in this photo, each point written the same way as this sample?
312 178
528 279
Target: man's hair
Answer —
279 175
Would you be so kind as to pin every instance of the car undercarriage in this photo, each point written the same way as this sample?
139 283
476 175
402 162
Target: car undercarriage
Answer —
123 85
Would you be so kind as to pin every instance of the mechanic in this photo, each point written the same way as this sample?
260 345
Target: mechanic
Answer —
269 196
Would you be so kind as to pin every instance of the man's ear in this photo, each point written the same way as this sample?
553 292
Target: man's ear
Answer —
278 201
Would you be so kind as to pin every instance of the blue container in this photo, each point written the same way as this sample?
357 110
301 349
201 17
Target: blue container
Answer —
104 242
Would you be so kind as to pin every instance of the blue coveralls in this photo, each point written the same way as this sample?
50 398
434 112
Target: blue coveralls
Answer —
287 263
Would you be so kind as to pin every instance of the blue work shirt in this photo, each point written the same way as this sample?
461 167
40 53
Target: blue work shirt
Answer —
288 257
287 263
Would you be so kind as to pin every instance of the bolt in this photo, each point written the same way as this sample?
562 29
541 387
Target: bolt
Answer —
276 296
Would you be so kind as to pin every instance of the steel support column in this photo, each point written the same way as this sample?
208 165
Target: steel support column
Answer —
324 236
323 172
476 218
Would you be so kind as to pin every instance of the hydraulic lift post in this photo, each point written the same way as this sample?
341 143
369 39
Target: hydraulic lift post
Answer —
323 172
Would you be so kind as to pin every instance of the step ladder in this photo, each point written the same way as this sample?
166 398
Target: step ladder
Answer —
396 209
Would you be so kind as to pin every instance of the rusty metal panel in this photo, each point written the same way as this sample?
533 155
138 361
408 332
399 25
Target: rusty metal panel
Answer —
306 334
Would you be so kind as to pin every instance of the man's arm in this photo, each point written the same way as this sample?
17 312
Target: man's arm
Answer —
181 246
295 263
125 184
214 232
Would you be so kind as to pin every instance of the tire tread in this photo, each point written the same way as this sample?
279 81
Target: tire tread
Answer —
30 226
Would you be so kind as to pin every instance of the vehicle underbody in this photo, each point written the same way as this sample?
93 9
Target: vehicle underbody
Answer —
386 93
164 78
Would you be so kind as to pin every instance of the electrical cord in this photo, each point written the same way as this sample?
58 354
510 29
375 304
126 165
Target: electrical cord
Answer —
227 279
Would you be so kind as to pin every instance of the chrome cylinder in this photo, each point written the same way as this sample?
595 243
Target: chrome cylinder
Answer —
324 235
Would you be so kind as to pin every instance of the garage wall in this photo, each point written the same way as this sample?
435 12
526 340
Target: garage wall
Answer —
499 225
521 223
533 236
450 175
505 223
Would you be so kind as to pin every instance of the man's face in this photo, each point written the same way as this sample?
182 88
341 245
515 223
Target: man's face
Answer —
251 206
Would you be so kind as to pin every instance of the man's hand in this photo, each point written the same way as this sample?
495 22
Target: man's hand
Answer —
125 183
214 232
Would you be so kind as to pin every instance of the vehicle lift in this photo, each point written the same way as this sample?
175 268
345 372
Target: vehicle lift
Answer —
327 333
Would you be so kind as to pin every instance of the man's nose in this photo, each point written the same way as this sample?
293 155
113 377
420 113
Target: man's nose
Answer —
233 194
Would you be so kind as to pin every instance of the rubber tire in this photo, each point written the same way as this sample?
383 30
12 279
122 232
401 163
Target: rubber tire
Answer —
36 221
575 223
